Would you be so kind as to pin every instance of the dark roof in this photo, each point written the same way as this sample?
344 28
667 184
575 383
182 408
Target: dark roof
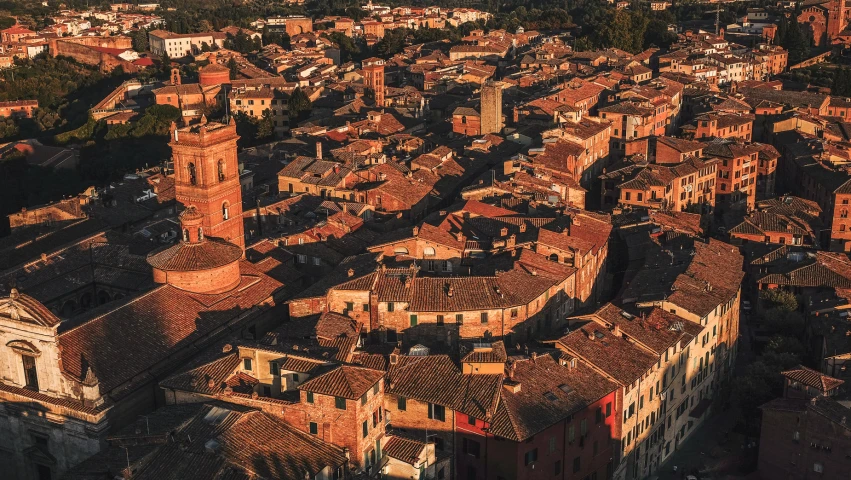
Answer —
344 381
215 440
618 358
548 393
190 256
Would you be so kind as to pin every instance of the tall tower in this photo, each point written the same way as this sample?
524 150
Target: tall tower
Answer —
491 107
373 78
206 176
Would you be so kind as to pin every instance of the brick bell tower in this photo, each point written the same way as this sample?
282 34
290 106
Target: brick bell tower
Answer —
206 176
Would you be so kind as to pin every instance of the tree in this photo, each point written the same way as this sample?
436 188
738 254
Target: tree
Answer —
776 298
795 41
265 126
234 68
166 63
204 26
140 40
297 105
841 82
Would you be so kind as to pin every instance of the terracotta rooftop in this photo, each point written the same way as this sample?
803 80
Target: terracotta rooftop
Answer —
813 378
344 381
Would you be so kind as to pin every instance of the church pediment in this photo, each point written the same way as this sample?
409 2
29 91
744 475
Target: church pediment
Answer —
23 308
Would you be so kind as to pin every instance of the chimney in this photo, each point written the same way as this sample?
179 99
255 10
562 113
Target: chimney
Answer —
591 336
351 272
319 150
616 331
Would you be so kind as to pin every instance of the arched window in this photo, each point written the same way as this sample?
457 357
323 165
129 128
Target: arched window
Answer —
193 179
200 233
428 251
221 168
463 119
225 211
400 251
185 235
554 257
103 297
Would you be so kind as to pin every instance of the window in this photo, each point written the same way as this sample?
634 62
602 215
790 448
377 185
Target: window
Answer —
390 306
309 397
246 364
375 388
225 211
221 170
402 404
608 409
349 307
471 419
583 427
273 368
413 320
459 318
530 456
366 307
340 403
576 464
436 412
363 399
818 467
470 447
193 179
571 434
598 415
30 372
440 319
513 313
365 429
557 468
484 317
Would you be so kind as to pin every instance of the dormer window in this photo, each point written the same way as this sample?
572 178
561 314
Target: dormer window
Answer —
30 372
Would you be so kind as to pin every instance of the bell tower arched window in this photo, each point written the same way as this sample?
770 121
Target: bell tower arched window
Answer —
193 178
200 234
185 235
221 170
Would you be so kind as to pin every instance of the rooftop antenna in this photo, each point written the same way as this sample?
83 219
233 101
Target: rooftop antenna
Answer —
717 19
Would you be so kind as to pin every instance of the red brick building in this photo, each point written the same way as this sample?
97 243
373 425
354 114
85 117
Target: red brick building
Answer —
556 417
207 177
346 407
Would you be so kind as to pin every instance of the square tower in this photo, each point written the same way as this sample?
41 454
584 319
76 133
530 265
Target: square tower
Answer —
373 78
206 176
491 107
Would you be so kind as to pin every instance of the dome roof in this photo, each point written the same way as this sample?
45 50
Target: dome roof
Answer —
214 68
208 254
191 213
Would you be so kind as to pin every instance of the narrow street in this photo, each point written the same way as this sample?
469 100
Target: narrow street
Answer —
716 451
